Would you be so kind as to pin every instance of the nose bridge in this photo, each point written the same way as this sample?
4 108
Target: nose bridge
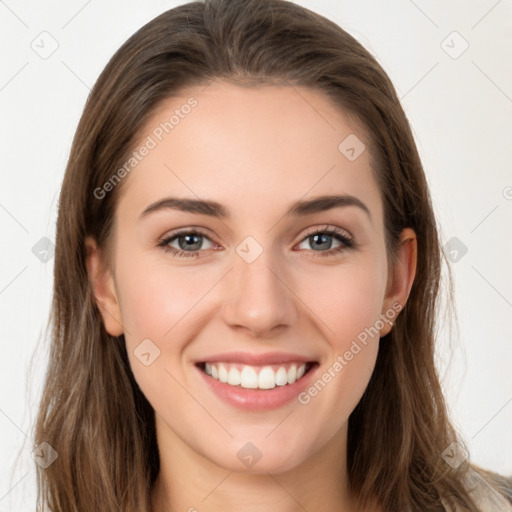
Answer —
257 298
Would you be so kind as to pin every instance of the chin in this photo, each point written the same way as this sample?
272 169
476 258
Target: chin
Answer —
261 458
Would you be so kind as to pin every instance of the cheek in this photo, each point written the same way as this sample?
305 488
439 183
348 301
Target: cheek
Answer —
349 308
152 300
347 300
166 305
154 297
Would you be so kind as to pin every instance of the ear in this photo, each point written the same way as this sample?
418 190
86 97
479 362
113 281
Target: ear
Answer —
102 283
401 278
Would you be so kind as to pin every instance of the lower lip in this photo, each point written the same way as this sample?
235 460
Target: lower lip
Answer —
258 399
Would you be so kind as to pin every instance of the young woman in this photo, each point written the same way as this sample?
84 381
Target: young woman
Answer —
247 270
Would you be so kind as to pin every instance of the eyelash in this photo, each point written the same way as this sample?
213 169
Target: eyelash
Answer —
347 242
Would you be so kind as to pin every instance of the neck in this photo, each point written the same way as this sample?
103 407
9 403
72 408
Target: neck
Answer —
187 481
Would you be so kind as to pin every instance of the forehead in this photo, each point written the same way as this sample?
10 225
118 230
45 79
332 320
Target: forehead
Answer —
248 148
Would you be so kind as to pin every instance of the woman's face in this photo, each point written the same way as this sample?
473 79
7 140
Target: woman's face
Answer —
233 283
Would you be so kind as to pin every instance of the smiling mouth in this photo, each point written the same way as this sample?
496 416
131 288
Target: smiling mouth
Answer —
257 377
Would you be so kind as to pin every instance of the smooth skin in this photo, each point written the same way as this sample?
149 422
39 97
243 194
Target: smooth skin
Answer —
255 150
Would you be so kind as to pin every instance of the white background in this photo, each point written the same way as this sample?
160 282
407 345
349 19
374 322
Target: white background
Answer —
461 113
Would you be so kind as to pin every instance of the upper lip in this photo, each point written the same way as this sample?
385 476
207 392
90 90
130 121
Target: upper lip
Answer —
266 358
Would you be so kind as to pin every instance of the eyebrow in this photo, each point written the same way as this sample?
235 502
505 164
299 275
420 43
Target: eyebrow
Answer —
214 209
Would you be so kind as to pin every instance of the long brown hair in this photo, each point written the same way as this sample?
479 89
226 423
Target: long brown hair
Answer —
92 411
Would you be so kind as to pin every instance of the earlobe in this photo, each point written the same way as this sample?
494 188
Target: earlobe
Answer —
402 279
103 288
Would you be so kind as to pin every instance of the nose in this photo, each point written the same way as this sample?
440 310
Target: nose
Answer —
258 298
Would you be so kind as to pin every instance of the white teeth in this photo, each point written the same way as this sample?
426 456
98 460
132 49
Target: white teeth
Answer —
267 378
292 374
223 373
281 376
234 377
249 378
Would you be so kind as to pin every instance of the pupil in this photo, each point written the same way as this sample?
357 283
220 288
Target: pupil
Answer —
190 242
323 237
